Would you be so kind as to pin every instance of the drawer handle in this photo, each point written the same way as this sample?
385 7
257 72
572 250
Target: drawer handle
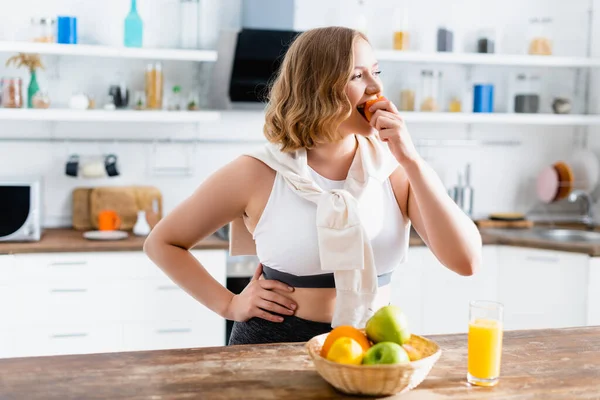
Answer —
167 287
68 335
65 263
68 290
545 259
169 331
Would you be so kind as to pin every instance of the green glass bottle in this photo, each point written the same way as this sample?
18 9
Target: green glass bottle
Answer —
134 27
32 89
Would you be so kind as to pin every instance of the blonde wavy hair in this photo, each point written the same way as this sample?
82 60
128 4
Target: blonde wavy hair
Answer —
307 99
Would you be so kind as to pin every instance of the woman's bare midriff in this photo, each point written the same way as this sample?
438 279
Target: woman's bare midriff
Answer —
318 304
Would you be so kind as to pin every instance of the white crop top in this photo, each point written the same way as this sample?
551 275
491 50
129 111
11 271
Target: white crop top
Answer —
286 234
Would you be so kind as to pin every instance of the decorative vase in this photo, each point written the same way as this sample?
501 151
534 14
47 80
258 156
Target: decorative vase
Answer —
32 89
141 227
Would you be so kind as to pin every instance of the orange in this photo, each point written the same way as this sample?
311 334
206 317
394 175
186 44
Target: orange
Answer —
345 331
346 350
368 104
413 354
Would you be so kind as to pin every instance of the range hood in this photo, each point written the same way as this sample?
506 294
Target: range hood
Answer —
248 60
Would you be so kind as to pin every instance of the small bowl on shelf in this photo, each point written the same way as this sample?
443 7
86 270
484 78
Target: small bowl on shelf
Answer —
376 380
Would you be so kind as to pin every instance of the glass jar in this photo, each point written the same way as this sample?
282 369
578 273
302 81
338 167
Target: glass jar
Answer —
407 100
540 39
42 30
175 99
401 33
188 28
139 100
154 86
445 39
41 99
12 92
486 41
455 104
527 94
430 81
193 102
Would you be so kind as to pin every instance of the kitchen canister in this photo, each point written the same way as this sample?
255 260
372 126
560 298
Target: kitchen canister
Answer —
66 32
483 98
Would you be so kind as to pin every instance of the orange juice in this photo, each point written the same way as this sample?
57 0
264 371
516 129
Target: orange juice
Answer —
485 349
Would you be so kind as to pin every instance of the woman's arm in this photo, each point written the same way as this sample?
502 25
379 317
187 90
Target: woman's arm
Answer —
444 227
221 198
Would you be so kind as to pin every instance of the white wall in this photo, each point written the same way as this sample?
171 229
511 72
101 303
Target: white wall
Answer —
503 177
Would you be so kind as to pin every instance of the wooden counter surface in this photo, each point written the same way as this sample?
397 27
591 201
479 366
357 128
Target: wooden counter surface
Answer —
70 240
545 364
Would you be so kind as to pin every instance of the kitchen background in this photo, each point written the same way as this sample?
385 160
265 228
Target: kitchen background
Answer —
503 176
121 301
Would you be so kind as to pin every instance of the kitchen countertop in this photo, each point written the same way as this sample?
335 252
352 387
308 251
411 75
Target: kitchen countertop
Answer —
548 364
70 240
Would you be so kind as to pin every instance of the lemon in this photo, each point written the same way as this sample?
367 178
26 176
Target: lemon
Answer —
346 350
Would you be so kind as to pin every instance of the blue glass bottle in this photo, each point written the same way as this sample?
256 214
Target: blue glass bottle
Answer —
133 27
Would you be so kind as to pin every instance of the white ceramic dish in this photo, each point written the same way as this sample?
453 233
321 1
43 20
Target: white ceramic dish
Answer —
105 235
586 169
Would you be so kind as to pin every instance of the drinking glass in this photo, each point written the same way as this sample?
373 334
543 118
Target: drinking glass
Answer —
484 342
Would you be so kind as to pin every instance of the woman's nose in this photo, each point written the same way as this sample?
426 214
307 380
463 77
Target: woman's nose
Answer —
373 89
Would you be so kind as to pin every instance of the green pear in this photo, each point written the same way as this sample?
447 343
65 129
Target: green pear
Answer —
388 324
385 353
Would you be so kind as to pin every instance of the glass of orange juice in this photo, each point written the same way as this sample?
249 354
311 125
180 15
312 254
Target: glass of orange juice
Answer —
485 342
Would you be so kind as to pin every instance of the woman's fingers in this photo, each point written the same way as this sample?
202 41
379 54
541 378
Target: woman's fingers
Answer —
274 307
279 299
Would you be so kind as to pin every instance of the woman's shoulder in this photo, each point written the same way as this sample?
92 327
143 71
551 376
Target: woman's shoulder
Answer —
247 168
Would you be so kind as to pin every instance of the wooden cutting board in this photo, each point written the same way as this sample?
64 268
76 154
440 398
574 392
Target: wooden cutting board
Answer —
125 200
81 209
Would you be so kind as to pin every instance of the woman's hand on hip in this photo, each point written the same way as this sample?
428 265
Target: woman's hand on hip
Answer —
392 130
259 299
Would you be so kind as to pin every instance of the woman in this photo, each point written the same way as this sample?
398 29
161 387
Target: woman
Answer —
316 109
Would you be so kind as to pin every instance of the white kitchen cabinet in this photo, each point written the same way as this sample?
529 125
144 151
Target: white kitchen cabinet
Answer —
73 303
446 295
7 268
69 338
406 288
172 335
593 299
6 300
542 288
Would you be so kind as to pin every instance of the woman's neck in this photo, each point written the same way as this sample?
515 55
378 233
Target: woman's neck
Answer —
333 160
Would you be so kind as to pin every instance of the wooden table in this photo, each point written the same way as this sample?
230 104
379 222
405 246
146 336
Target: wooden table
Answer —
544 364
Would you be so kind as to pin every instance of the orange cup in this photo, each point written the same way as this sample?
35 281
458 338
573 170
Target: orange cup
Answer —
108 220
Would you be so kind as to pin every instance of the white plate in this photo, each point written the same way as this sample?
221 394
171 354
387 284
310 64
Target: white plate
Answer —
586 168
105 235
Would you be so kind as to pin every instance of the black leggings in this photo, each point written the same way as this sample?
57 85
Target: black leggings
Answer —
260 331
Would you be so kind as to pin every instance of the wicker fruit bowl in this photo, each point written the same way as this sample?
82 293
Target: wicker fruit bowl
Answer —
376 380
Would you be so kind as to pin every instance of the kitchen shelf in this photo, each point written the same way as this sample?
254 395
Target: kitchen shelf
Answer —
487 59
500 118
85 50
145 116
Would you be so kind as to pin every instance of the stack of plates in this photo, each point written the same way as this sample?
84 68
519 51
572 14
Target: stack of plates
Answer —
580 172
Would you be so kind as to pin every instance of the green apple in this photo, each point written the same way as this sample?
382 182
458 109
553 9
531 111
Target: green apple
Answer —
388 324
385 353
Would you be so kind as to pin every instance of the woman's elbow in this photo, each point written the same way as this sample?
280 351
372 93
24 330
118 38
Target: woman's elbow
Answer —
470 265
150 245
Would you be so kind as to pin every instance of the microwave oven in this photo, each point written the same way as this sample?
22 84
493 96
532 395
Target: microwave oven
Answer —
20 209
